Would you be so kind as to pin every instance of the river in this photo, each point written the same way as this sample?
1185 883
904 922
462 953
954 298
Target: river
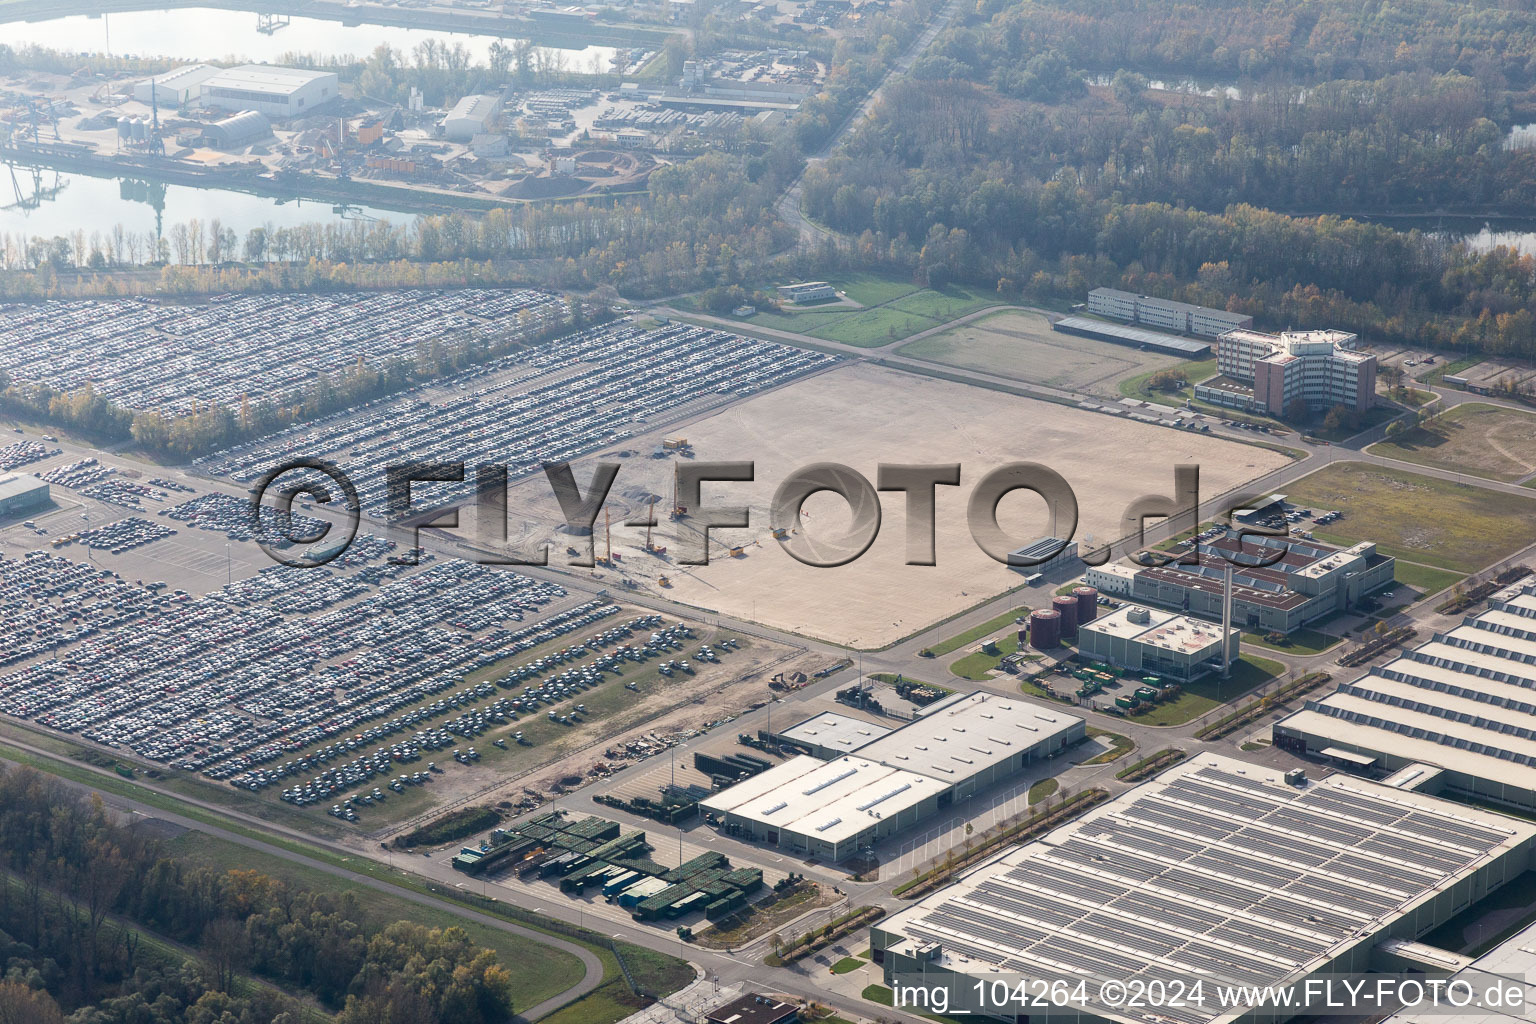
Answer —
87 203
199 33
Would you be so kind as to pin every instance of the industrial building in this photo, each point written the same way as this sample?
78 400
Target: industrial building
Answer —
833 809
1509 966
1136 337
808 291
473 115
1164 313
1173 647
241 129
1464 701
829 734
1043 555
175 88
273 91
20 494
753 1008
1306 582
1216 870
1266 373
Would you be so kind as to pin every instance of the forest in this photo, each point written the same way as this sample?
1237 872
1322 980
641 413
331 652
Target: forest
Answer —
88 905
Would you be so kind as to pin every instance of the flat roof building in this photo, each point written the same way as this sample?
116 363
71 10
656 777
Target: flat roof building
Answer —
19 493
175 88
1043 555
954 748
807 291
1216 871
1463 701
273 91
1171 646
1308 581
752 1008
830 734
1168 314
1267 373
1136 337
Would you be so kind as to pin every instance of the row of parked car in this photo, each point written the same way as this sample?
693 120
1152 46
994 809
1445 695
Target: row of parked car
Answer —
152 355
629 375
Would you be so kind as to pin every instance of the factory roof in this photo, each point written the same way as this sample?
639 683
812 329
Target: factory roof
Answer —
830 801
1039 551
1132 335
1216 869
752 1009
265 78
12 484
1120 293
185 76
1160 629
968 734
475 107
835 732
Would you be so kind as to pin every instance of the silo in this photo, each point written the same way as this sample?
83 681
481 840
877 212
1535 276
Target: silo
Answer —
1066 607
1087 604
140 129
125 128
1023 637
1044 629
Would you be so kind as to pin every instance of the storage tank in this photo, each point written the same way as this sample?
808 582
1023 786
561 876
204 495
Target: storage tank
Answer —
1044 629
140 129
125 127
1087 604
1023 637
1066 607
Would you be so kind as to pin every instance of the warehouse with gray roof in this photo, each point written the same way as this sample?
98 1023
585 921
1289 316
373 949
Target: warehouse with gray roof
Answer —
1464 701
20 493
894 778
1217 870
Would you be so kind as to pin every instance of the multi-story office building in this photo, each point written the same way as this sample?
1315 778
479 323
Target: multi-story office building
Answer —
1268 372
1165 313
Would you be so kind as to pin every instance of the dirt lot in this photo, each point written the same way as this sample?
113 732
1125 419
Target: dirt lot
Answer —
1481 440
1022 345
861 416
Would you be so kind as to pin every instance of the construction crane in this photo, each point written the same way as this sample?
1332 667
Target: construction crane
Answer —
52 121
156 143
678 511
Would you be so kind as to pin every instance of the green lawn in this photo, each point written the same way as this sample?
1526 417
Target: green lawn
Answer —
1042 789
874 289
1119 746
1438 522
895 308
1473 438
1248 673
538 971
948 303
1195 372
980 665
975 633
1424 579
1302 641
847 964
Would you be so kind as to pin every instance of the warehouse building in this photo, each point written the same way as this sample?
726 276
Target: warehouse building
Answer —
836 808
1463 701
1164 313
830 734
175 88
1044 555
242 129
1136 337
807 291
1308 581
1266 373
473 115
20 494
1173 647
1508 967
1216 870
273 91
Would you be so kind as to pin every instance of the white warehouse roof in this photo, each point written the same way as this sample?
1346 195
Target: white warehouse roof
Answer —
967 734
1217 870
833 731
265 78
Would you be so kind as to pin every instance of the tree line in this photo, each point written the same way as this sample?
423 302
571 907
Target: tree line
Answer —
79 887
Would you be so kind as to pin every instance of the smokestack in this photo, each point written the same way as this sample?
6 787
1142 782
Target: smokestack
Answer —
1226 621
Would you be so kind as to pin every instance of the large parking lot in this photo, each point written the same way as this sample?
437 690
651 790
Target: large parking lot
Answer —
592 389
150 355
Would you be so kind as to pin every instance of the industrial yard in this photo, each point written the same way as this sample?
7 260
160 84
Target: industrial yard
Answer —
863 416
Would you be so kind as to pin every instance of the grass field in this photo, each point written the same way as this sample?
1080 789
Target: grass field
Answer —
1021 344
1437 522
1042 789
1195 372
893 309
1249 672
1477 439
1302 641
847 965
538 971
1424 579
1119 746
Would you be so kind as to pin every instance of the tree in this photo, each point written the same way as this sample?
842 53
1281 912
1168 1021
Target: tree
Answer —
22 1005
1296 410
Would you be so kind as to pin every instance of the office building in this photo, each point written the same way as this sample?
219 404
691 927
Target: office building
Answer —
1166 314
1268 373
